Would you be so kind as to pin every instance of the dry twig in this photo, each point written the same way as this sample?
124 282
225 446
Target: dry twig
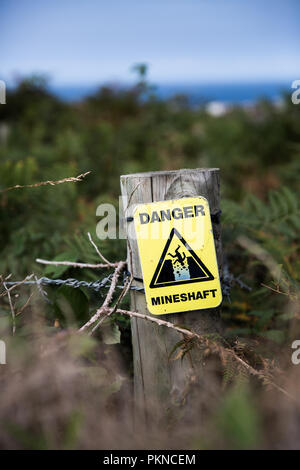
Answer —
13 315
104 309
17 284
204 339
114 309
25 305
97 249
72 179
78 265
121 296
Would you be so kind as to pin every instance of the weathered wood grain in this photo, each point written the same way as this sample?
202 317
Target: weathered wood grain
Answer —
158 381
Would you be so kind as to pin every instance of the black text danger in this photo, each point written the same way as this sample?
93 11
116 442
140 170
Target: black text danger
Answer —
168 214
184 297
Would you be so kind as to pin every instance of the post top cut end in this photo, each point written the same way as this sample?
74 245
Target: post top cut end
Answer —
149 174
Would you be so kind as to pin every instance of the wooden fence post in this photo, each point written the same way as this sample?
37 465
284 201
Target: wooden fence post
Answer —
157 380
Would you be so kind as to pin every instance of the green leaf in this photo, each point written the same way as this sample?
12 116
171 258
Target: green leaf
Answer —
175 347
77 300
57 271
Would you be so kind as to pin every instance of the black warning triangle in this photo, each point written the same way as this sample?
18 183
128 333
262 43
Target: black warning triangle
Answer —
180 269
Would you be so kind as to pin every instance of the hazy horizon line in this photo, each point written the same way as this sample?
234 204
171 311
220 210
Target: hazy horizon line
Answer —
11 83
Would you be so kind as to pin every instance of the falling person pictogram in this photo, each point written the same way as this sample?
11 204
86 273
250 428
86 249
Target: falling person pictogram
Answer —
179 264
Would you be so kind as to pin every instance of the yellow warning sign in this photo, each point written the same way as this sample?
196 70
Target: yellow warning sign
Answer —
177 255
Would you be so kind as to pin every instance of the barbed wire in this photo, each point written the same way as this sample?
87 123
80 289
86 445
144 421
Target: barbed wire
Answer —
227 282
75 283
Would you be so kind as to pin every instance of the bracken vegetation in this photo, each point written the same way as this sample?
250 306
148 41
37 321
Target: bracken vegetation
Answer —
65 389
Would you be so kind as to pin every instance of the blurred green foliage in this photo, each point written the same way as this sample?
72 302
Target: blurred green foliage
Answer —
118 131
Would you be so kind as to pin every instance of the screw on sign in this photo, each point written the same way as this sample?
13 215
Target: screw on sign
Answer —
177 255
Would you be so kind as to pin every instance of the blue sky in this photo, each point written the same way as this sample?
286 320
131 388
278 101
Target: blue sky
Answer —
76 41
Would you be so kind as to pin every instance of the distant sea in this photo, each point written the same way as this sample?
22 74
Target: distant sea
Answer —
228 93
